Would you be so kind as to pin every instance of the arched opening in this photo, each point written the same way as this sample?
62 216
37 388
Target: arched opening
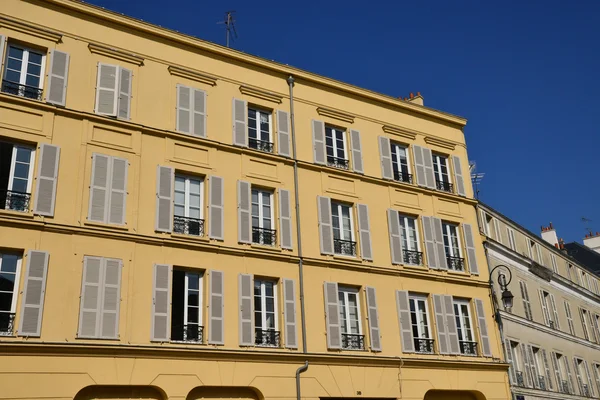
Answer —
126 392
225 393
454 395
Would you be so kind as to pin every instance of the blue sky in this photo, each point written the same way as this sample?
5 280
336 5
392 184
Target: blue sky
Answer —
525 75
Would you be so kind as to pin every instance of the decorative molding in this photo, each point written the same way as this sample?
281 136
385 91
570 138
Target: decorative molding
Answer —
396 130
440 142
540 271
115 53
261 93
30 29
342 116
192 75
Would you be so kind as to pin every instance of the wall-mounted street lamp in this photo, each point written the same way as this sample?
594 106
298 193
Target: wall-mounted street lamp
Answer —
507 296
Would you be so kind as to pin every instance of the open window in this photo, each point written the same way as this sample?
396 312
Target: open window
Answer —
421 328
186 306
336 147
441 171
16 176
260 129
464 325
452 246
188 205
10 270
266 332
263 224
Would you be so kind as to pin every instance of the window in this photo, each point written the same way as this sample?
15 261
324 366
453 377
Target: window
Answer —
549 309
554 265
517 363
16 176
343 229
259 130
10 267
587 325
596 372
585 280
419 318
569 318
561 372
24 72
583 379
113 91
188 207
452 246
186 306
335 144
352 337
462 314
262 217
441 171
400 163
265 313
488 225
539 366
511 239
108 189
526 302
411 249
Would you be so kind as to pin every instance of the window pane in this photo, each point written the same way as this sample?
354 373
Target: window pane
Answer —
9 263
192 315
257 304
270 304
193 298
23 155
257 319
12 76
34 69
5 301
35 58
179 183
15 52
270 321
7 282
19 185
195 186
194 200
21 170
14 64
269 288
32 80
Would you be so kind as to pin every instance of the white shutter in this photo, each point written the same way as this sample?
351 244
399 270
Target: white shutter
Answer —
240 128
357 160
289 314
216 328
285 220
106 89
424 166
111 298
184 109
395 237
165 179
470 246
216 208
554 312
118 191
91 296
332 316
318 131
161 303
34 290
246 314
373 315
458 176
283 133
47 176
57 77
199 112
404 320
385 155
244 213
440 322
430 248
325 225
428 165
99 188
544 308
436 224
124 102
484 338
364 232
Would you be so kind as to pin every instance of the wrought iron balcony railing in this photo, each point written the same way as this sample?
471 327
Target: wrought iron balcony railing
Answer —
542 382
412 257
403 177
520 381
585 390
423 345
340 163
344 247
268 237
564 387
444 186
30 92
16 201
267 338
188 226
468 348
261 145
7 324
551 324
456 263
189 333
352 341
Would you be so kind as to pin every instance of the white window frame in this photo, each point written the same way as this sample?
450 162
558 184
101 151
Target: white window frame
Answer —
417 298
347 291
260 111
446 228
186 194
512 242
395 151
263 304
16 288
188 276
437 159
404 232
333 130
25 63
261 215
339 207
462 318
13 163
516 356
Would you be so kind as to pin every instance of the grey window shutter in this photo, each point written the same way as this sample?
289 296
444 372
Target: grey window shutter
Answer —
554 312
111 299
289 314
357 161
526 366
57 78
420 166
161 303
283 133
216 208
106 89
118 191
578 376
99 188
246 315
285 220
244 213
439 242
544 306
47 177
165 178
216 298
458 176
91 286
569 376
589 377
364 228
385 153
430 247
470 246
451 330
556 367
547 369
124 108
318 131
428 165
484 337
395 238
406 334
2 58
199 113
184 109
325 225
440 322
32 302
332 316
373 318
509 359
240 130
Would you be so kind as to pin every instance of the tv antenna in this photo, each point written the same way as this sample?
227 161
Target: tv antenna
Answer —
229 27
586 221
476 177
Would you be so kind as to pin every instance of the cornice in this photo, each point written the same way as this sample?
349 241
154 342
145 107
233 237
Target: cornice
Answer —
115 53
336 114
30 29
435 141
261 93
398 131
192 75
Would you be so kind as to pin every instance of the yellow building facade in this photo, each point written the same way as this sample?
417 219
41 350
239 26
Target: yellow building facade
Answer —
153 189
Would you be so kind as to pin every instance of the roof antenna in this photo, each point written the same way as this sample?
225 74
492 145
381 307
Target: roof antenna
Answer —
476 177
229 26
586 221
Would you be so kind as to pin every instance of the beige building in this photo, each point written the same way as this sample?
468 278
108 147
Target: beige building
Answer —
552 332
181 220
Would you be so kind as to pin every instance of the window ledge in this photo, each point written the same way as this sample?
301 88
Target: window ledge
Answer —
18 214
185 342
106 226
460 273
193 238
274 249
347 258
98 338
415 267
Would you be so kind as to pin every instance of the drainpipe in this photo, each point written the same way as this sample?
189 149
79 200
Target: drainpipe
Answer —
298 372
290 82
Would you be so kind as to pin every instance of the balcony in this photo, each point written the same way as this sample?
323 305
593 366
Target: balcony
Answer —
352 341
468 348
585 390
455 263
260 145
400 176
15 201
266 338
412 257
551 324
188 226
564 387
340 163
344 247
187 333
423 345
30 92
267 237
520 381
7 324
444 186
542 382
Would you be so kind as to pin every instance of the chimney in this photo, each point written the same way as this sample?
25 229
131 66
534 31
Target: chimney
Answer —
549 234
592 241
418 99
